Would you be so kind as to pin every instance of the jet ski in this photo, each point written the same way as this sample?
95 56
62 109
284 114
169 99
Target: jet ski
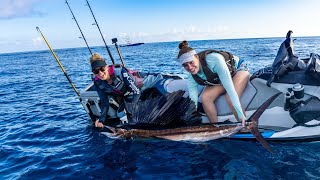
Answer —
294 115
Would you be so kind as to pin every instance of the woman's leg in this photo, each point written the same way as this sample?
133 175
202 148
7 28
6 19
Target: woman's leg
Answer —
240 80
209 95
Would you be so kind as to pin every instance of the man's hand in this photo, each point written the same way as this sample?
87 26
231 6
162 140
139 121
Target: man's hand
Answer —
98 124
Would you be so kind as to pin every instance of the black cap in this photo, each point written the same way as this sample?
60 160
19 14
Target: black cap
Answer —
98 63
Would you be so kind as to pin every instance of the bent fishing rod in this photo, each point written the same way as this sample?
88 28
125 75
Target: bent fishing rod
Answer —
96 23
58 61
73 17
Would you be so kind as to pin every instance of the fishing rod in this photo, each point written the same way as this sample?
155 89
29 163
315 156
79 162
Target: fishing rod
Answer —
114 41
79 28
96 23
54 55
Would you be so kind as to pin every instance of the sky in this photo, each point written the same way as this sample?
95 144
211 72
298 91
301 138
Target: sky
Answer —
150 21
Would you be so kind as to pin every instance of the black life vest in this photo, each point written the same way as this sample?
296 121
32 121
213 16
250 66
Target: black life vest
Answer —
122 83
213 78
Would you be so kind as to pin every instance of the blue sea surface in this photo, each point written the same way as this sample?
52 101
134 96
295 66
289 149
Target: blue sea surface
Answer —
46 134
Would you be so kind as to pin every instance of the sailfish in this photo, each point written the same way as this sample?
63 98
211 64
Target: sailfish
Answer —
174 117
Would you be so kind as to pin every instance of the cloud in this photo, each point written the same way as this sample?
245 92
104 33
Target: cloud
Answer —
190 32
17 8
37 41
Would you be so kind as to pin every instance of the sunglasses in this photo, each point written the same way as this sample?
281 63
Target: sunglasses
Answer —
96 71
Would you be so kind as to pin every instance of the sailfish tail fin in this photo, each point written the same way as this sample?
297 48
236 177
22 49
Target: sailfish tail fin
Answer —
254 118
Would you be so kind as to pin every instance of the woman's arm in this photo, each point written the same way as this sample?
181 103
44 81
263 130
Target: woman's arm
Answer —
104 99
217 64
193 89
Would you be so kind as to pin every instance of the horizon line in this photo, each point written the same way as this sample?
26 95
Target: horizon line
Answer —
13 52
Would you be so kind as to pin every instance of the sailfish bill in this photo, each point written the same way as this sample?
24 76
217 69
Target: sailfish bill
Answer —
198 133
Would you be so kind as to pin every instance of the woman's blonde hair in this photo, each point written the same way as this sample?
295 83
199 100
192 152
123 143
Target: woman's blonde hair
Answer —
95 57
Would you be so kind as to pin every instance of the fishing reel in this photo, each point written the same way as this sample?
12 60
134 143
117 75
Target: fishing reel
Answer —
114 40
293 96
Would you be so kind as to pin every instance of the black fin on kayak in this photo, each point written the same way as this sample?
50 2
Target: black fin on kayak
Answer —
254 118
169 110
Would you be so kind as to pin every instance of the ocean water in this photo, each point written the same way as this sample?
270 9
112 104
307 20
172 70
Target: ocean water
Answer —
46 134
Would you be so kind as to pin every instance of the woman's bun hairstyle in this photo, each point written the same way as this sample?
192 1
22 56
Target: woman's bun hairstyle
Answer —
184 44
184 48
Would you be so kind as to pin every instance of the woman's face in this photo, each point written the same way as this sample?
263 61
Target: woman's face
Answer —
193 66
102 72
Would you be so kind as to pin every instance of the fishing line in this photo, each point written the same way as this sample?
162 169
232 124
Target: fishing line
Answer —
73 17
96 23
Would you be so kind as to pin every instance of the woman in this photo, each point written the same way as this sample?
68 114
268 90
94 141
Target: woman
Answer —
109 81
120 83
216 71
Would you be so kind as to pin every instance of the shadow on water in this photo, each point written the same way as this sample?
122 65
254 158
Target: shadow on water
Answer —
121 160
218 159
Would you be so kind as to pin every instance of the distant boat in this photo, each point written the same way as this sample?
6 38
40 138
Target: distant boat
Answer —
134 44
127 39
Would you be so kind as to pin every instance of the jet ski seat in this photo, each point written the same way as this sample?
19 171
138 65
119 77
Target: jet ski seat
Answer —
222 105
